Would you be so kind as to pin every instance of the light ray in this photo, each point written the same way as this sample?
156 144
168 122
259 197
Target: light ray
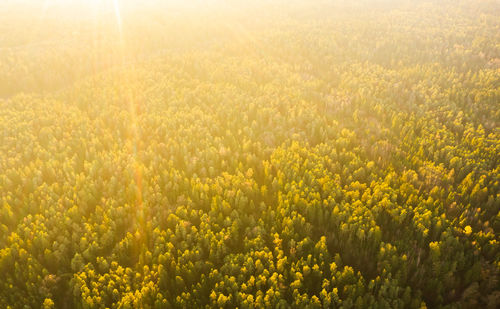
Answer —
116 8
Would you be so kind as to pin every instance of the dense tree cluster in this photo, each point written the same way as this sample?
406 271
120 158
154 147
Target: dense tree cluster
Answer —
327 155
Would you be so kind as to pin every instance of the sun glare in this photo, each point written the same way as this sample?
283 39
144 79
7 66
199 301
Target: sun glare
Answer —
249 154
116 8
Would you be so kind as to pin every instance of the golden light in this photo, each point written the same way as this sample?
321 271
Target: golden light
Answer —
116 8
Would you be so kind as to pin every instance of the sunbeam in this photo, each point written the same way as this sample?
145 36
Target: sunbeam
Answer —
249 154
116 9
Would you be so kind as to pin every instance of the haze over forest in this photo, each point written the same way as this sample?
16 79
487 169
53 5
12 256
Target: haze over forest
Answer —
249 154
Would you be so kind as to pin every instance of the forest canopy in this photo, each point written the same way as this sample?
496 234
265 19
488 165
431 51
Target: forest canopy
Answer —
249 154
